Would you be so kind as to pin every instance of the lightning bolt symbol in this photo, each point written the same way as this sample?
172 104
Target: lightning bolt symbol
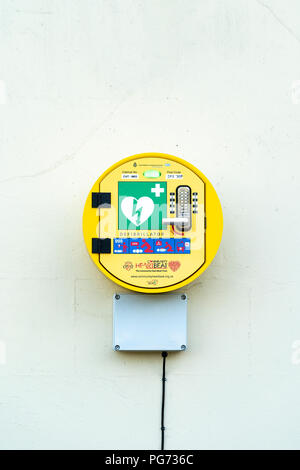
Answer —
136 212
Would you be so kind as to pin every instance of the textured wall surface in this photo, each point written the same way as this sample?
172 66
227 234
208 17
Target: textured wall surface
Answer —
84 83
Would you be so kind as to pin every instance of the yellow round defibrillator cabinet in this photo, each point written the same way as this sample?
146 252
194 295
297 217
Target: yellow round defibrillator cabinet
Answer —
152 223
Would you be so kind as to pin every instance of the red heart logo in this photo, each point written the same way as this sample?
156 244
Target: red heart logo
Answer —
174 265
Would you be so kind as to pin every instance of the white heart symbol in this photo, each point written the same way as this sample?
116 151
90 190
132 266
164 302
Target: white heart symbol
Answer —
137 210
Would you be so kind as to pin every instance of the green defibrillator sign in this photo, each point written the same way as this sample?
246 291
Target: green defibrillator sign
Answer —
142 205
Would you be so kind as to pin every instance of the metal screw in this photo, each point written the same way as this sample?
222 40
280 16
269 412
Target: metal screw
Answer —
183 347
117 297
117 347
183 297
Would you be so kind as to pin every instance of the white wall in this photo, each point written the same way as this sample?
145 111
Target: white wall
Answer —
82 85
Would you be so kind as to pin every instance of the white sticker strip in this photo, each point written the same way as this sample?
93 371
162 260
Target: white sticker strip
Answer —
130 176
174 176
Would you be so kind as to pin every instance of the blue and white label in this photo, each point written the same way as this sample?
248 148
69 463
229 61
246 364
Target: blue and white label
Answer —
164 245
141 245
121 245
152 245
182 246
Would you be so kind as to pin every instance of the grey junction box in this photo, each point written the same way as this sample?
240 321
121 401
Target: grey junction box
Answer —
150 322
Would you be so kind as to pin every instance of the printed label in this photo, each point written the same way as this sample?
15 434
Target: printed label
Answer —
141 245
130 176
182 246
152 245
164 245
121 245
174 176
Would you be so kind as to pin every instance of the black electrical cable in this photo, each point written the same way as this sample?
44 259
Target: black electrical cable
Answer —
164 355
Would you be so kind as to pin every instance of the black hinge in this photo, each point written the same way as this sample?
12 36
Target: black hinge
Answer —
101 199
101 245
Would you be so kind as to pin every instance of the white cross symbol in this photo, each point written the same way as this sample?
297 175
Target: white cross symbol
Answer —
157 190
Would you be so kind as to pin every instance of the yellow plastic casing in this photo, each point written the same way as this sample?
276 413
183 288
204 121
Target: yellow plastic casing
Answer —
160 272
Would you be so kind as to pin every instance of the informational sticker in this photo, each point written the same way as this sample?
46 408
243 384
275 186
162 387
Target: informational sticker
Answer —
182 246
140 245
142 205
121 245
152 245
164 245
174 176
130 176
